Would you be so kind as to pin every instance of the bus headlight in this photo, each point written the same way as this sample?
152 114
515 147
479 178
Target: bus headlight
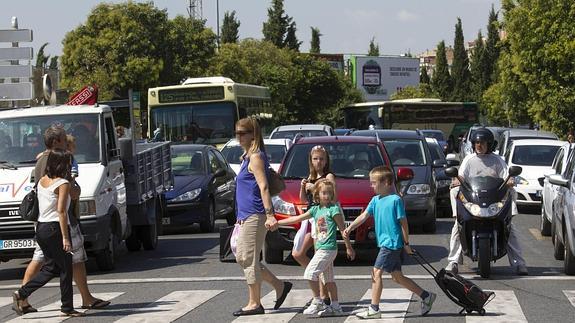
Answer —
419 189
283 207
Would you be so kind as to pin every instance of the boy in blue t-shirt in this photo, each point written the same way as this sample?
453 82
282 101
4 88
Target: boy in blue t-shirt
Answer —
392 238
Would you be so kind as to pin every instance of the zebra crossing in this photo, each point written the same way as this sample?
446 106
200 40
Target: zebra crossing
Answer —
394 306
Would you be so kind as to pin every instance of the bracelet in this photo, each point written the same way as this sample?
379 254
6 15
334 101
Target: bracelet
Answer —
406 243
269 212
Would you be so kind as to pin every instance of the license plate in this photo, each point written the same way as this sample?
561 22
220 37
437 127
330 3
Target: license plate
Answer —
17 244
166 221
538 193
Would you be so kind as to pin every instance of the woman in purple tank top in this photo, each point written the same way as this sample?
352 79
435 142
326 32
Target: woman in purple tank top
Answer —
255 215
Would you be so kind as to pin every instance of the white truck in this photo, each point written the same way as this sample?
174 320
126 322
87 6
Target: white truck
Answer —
123 182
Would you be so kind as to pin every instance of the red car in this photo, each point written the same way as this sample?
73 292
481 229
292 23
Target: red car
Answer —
351 159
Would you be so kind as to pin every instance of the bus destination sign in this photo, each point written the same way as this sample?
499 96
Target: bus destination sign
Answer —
191 94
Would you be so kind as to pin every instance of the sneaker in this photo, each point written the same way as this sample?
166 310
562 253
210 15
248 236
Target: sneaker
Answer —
314 308
331 311
521 270
308 303
368 313
427 303
453 268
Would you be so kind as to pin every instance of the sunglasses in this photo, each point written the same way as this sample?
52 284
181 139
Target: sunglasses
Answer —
241 133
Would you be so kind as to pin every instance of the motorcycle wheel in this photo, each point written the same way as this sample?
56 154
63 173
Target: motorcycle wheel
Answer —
484 258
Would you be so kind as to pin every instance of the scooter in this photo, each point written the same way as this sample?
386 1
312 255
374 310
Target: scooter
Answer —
484 217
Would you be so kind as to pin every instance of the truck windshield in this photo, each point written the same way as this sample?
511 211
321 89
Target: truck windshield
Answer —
22 139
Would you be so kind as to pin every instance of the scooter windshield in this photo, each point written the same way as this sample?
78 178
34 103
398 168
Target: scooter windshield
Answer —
479 183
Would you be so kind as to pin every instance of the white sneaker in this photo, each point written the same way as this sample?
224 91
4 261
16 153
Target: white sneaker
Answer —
314 308
331 311
452 267
369 313
427 303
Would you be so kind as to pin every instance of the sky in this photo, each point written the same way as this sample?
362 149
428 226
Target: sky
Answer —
347 27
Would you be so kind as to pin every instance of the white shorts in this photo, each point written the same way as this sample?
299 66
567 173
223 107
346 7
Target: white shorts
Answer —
321 263
79 253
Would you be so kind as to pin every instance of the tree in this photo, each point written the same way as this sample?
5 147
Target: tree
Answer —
53 63
492 47
460 75
230 28
480 77
275 28
411 92
423 76
42 59
315 41
441 80
373 48
291 40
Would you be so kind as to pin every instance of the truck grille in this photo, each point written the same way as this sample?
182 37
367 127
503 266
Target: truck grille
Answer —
12 224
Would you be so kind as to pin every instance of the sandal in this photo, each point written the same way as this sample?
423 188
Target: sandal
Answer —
72 313
98 303
28 309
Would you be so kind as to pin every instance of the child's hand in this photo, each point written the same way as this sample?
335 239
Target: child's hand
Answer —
345 233
350 253
408 249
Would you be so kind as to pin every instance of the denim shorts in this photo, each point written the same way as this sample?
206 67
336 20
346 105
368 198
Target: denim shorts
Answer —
389 260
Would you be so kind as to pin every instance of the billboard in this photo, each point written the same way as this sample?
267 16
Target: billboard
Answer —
378 77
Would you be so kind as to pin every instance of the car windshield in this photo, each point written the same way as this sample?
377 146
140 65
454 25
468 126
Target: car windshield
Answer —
22 139
291 134
275 153
435 151
434 134
187 162
534 155
406 152
347 160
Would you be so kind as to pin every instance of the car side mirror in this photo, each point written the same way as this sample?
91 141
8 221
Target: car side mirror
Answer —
404 174
515 170
452 162
220 172
558 180
451 172
541 181
438 163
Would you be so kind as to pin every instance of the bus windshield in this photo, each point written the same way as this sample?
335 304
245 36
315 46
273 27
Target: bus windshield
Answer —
206 123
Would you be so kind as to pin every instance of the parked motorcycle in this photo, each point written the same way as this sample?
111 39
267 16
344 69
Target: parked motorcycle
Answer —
484 217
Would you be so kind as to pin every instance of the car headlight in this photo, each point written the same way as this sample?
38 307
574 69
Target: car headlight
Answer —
443 183
87 207
521 181
283 207
188 196
419 189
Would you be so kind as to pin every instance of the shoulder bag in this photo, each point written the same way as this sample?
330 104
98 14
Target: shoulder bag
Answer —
29 207
276 183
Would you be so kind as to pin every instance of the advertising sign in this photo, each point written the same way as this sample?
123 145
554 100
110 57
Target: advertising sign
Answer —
87 95
380 77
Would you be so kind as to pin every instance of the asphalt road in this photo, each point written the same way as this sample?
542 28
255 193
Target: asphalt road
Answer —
183 280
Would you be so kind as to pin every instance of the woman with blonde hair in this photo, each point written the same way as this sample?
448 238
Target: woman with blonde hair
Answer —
255 215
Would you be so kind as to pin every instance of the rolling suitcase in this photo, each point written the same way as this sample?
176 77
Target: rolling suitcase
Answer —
461 291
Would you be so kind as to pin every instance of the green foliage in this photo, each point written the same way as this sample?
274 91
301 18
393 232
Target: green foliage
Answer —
315 41
53 63
492 48
303 89
134 45
373 48
441 80
230 28
41 59
424 77
460 76
479 74
291 40
413 92
275 28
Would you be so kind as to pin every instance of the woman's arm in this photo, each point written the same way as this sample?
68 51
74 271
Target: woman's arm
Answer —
257 167
302 191
63 192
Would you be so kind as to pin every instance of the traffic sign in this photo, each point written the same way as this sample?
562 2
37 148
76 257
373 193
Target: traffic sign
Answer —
15 91
15 53
15 35
15 71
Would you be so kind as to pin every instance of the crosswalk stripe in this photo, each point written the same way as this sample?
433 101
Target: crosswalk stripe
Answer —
570 294
393 305
171 307
51 312
292 305
5 301
504 308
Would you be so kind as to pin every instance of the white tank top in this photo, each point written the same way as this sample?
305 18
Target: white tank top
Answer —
48 202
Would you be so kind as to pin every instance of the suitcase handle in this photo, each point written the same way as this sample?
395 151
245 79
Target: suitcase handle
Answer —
424 263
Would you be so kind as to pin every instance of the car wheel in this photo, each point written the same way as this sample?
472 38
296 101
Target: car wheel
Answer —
106 259
545 225
569 261
148 235
558 248
208 224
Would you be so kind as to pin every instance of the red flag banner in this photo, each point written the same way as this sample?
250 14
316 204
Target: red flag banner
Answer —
87 95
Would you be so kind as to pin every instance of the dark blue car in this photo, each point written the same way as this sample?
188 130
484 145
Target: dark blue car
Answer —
437 135
204 188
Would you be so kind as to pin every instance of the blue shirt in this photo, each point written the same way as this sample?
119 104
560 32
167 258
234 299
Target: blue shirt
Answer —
387 211
248 196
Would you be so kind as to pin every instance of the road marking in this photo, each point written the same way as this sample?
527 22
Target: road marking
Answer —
5 301
393 305
51 312
537 234
503 308
570 296
171 307
292 305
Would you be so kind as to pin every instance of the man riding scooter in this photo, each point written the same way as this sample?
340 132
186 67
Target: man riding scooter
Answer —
483 163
